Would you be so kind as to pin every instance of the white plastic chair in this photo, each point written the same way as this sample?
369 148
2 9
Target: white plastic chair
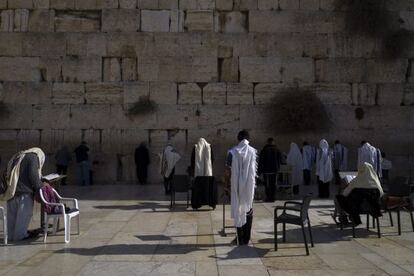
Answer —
4 218
66 216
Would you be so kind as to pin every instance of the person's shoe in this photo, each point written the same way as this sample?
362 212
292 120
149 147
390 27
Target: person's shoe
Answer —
31 235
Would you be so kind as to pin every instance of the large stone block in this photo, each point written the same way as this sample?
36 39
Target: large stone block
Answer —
312 5
128 4
267 93
80 44
41 4
168 4
327 5
78 21
82 69
120 20
68 93
215 93
90 116
20 4
267 4
364 94
407 18
390 94
224 5
27 93
386 71
21 20
51 69
177 117
245 5
341 70
19 69
239 93
65 4
134 90
155 21
189 93
103 93
196 21
260 69
11 44
229 69
112 69
331 93
163 92
42 20
219 117
233 22
127 44
345 45
129 69
3 4
408 95
297 70
7 20
177 21
97 4
148 4
44 44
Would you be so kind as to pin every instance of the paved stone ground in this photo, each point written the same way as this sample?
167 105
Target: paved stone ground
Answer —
129 230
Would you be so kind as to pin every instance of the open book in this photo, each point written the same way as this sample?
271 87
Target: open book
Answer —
52 177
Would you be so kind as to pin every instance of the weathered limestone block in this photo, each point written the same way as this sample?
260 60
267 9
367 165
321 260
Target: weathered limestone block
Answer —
42 20
20 4
260 69
224 51
129 69
155 21
148 4
312 5
19 69
7 21
163 92
86 116
386 71
44 44
229 69
295 21
197 21
408 95
364 94
179 69
11 44
80 44
128 4
103 93
341 70
27 93
181 116
112 69
168 4
331 93
41 4
390 94
297 70
3 4
224 5
408 20
21 20
327 5
267 93
197 4
267 4
96 4
120 20
177 21
239 93
289 4
245 5
51 69
78 21
134 90
215 93
344 45
127 44
64 4
82 69
233 22
219 116
68 93
189 93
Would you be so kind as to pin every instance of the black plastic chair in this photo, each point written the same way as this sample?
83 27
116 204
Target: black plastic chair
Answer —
180 184
297 219
400 187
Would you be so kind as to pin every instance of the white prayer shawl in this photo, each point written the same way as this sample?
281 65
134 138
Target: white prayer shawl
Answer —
169 159
340 157
309 157
13 170
367 178
324 162
371 155
203 165
243 181
295 160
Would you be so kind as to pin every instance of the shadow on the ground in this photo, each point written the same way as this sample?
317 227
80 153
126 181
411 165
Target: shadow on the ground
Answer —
143 205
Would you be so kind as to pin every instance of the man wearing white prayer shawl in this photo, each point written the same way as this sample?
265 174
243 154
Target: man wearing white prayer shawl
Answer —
324 170
370 154
241 159
340 160
168 159
309 156
202 159
24 173
295 160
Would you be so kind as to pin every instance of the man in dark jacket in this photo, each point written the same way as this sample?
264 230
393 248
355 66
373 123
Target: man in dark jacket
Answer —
82 159
142 161
269 164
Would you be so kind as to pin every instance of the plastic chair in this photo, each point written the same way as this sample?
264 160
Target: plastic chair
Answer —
301 219
180 184
66 216
4 218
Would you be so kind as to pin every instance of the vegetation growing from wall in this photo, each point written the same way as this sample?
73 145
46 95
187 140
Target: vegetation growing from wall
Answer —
143 106
297 111
371 18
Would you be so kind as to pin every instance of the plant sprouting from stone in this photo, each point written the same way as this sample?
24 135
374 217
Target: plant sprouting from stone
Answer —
142 107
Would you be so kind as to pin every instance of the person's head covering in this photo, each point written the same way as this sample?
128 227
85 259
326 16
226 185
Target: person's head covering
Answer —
367 178
324 162
324 145
202 162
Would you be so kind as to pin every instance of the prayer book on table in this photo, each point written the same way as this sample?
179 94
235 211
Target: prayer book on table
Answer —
53 177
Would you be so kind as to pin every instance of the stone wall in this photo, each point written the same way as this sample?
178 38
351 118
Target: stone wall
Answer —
70 69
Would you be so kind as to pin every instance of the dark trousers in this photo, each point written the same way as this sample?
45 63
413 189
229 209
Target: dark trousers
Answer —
62 170
142 174
270 186
244 232
323 189
167 182
337 177
306 177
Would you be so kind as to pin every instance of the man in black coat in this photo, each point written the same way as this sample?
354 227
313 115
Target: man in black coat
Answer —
142 161
269 164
